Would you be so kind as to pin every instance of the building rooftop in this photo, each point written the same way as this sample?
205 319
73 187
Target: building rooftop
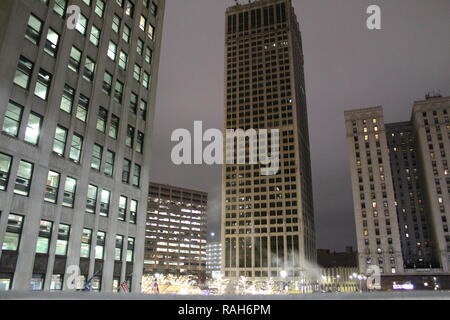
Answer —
243 5
328 259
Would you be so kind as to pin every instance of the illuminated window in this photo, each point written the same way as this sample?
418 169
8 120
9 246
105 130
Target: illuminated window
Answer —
130 250
114 127
151 32
86 240
82 108
75 60
109 163
100 8
43 240
94 37
101 119
107 83
70 189
43 84
81 24
146 80
91 201
100 246
59 142
126 170
118 248
63 240
5 168
89 69
123 204
133 211
123 60
23 73
76 148
142 23
112 51
11 240
13 118
51 189
60 7
51 43
105 199
34 29
67 99
24 177
137 176
96 159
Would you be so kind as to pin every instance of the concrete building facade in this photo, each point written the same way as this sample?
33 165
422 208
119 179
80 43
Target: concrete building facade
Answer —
267 221
377 231
76 112
176 228
415 235
417 152
431 125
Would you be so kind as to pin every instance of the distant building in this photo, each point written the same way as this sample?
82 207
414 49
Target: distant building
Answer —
377 230
401 191
415 232
175 240
327 259
337 270
213 259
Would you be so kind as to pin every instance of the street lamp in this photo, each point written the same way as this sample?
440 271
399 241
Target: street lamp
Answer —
361 278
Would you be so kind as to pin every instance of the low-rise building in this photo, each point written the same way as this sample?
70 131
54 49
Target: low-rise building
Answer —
338 270
175 241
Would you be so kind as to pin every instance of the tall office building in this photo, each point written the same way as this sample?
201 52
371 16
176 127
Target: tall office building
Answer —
76 112
412 220
175 240
410 179
267 221
430 120
377 230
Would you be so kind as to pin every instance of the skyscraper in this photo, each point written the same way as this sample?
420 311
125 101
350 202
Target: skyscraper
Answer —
413 222
401 186
267 221
377 230
430 120
76 112
176 231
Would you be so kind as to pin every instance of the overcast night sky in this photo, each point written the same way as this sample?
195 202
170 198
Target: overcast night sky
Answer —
347 66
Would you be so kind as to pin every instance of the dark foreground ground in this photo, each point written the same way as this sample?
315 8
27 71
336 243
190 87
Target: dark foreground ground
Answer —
403 295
